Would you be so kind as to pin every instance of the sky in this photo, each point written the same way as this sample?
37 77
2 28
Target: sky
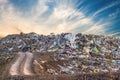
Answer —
57 16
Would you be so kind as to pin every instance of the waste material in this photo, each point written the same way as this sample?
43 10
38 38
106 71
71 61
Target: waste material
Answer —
80 53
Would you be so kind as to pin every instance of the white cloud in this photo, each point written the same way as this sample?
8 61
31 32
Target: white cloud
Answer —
105 8
3 1
115 14
64 18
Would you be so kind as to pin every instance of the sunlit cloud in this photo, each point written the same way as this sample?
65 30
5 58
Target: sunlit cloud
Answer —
62 16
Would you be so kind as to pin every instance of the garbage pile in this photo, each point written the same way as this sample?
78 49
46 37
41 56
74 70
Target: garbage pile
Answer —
72 53
4 60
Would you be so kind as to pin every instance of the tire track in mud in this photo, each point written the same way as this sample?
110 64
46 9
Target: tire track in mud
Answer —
14 70
27 70
22 65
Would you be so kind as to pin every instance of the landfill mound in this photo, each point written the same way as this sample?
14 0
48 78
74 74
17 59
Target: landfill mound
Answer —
67 53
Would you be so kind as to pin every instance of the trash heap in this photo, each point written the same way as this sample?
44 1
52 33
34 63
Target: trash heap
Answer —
72 53
4 60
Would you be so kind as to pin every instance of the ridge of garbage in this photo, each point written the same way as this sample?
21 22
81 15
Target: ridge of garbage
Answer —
85 52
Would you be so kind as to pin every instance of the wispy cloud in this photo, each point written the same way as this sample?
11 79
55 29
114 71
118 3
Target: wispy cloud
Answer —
63 18
114 14
106 7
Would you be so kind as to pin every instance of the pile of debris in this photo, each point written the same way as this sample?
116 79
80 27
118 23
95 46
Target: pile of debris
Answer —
55 63
68 53
4 60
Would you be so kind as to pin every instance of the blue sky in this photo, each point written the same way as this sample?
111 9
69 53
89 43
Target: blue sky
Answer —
46 16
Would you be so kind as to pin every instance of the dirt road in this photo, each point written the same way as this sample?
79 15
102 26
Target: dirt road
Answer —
23 64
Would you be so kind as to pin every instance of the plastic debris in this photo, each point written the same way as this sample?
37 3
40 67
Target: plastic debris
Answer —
72 53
